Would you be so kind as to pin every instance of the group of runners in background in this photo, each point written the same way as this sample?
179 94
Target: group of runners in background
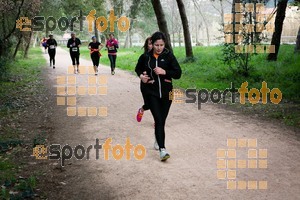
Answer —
156 68
74 44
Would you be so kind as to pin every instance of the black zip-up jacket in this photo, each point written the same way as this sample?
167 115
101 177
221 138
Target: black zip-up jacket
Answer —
161 85
73 48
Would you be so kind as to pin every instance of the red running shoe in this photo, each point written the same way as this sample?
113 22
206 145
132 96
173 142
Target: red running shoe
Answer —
139 115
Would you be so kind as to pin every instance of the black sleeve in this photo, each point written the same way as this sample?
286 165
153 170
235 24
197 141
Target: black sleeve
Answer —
69 43
175 70
79 42
55 43
139 68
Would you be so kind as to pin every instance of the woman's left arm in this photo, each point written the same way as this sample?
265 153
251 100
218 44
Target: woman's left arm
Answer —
174 71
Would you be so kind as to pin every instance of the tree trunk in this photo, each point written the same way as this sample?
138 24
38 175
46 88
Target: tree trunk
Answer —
179 37
281 7
161 21
126 43
130 39
173 25
205 22
18 45
186 31
297 48
96 31
196 27
35 40
27 45
233 20
222 12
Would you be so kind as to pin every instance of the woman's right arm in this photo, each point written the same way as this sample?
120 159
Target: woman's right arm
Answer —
69 43
139 69
140 64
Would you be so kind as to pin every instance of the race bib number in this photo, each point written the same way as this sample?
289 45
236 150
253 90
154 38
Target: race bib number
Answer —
52 47
74 49
111 48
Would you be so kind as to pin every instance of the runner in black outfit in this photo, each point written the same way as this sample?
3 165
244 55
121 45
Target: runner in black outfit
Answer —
95 48
147 47
161 67
74 44
52 44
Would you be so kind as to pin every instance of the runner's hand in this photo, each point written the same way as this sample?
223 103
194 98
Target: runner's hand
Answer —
159 71
144 78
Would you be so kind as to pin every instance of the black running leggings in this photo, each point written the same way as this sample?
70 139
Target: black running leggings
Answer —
52 56
75 56
112 59
146 103
159 108
95 58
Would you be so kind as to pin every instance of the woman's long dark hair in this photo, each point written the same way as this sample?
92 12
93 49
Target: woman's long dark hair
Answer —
158 36
145 47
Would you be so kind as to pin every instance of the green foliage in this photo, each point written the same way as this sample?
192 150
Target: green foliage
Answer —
238 63
3 68
17 87
209 71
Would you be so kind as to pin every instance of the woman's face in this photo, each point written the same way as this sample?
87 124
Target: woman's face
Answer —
149 45
158 46
94 39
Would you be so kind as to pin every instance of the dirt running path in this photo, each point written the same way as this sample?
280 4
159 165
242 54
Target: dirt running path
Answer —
192 138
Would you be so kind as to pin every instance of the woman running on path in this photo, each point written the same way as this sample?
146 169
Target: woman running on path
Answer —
74 44
161 67
51 45
95 48
147 47
112 46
